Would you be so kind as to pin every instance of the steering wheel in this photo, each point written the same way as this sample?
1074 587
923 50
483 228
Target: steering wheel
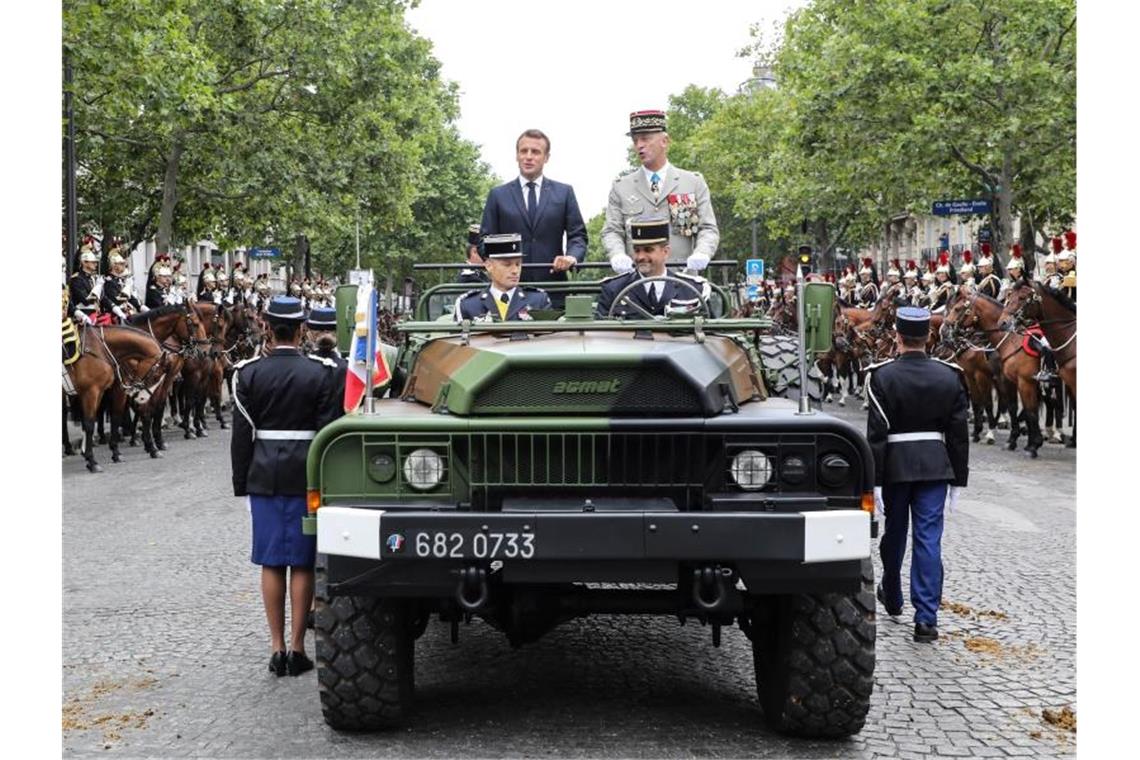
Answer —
664 278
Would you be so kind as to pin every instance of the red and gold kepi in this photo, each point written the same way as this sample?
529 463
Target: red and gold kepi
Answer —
644 122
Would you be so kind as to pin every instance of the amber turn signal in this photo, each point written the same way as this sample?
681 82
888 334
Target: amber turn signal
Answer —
868 502
313 499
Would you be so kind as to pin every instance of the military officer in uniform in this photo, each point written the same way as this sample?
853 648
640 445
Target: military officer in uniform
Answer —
659 189
86 286
966 271
943 287
1067 266
158 294
261 292
867 291
1014 270
989 284
280 402
503 299
476 274
650 251
918 434
119 290
1048 275
320 330
910 282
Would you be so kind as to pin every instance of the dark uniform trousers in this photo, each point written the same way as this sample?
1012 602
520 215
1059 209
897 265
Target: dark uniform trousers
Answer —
919 437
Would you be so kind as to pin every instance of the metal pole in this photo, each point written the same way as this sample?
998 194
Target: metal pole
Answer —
358 237
69 171
805 401
755 253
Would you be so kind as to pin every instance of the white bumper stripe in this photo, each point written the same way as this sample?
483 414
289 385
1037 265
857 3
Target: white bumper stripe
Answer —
836 534
349 532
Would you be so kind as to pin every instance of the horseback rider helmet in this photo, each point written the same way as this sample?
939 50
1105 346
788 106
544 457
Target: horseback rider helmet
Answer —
910 274
865 271
986 262
1067 258
928 275
967 269
1015 261
893 273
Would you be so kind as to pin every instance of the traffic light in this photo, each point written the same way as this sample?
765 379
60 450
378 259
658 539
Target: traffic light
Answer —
805 260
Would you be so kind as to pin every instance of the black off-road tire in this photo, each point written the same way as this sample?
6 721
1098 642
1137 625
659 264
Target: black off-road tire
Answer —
815 662
365 660
780 356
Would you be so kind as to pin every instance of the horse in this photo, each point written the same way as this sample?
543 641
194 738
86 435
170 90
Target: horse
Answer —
962 348
974 311
179 330
112 356
1031 303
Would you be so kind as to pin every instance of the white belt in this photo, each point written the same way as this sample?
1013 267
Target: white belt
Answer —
285 435
925 436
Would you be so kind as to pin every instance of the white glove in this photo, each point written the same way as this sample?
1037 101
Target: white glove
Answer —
697 262
952 499
83 317
119 313
621 263
879 512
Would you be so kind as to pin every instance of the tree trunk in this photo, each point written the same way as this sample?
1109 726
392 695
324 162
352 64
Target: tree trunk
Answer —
1004 232
169 196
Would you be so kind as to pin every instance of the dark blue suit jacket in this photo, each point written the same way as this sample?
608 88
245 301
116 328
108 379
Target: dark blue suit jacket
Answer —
505 212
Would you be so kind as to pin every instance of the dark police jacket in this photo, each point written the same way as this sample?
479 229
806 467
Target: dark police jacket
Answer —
914 393
611 286
480 304
278 399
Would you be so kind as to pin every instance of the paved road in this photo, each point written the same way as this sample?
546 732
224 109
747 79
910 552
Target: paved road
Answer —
165 644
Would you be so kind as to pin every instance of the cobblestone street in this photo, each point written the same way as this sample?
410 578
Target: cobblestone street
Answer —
166 644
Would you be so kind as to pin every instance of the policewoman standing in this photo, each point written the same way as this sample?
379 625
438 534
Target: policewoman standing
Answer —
280 402
918 434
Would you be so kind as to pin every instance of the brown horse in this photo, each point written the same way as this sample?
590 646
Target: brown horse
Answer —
973 311
971 352
1028 303
113 357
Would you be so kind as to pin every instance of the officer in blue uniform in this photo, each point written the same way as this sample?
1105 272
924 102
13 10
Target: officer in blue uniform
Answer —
650 252
321 327
503 300
280 402
476 274
918 434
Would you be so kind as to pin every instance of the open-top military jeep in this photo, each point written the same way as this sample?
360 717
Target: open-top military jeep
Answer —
528 473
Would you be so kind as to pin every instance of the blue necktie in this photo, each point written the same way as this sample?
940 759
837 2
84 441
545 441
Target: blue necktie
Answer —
655 185
531 202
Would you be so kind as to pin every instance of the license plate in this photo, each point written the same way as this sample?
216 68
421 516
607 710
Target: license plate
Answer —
472 545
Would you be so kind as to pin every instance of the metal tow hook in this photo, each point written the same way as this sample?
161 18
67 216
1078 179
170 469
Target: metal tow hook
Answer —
709 592
472 591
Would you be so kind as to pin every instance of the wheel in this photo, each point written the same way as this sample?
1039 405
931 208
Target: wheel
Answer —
815 660
780 356
365 660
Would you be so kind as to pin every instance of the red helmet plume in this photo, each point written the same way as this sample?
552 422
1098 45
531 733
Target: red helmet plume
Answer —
967 256
1070 240
1057 244
944 258
1015 250
986 249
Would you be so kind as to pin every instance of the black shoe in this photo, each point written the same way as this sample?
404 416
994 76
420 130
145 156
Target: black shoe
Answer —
298 663
925 632
882 597
277 663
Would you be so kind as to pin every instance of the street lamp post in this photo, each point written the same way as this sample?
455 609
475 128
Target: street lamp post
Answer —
69 169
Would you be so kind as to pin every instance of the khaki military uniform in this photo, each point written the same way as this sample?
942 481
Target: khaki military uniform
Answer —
684 198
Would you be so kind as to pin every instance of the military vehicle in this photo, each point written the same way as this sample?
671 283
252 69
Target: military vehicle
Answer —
528 473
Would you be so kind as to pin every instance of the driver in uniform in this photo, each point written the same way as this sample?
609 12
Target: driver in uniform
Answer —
503 300
650 252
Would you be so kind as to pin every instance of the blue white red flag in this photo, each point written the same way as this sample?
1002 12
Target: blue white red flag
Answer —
365 354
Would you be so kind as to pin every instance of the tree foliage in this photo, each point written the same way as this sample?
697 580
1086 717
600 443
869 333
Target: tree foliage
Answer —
253 122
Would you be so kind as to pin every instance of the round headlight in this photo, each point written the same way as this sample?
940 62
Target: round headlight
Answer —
381 467
794 469
834 470
751 470
423 469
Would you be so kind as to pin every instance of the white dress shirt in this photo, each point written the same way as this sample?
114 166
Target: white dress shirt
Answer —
660 173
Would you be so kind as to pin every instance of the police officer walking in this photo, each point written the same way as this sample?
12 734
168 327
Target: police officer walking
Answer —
280 402
918 434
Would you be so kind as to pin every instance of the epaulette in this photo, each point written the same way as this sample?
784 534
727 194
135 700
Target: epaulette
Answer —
323 360
615 276
876 365
951 365
244 362
472 292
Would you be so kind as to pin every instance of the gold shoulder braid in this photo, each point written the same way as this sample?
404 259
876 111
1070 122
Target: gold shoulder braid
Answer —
1070 280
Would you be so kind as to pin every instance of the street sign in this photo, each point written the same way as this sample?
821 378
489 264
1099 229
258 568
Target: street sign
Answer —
985 235
950 208
361 277
265 253
754 271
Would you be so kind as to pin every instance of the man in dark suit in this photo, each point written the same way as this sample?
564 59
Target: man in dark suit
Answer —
650 252
919 438
541 211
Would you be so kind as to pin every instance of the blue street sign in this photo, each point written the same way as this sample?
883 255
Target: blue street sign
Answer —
752 292
754 271
950 208
264 253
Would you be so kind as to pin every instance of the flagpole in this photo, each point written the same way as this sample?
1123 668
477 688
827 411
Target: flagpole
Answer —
370 352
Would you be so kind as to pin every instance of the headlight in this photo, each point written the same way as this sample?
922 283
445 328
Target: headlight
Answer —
423 469
834 470
793 469
751 470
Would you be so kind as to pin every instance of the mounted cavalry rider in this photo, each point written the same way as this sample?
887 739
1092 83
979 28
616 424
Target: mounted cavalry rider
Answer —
867 292
911 290
208 286
1067 266
1014 270
988 284
943 285
261 292
847 287
159 293
503 299
119 296
86 286
179 286
966 271
651 250
1049 276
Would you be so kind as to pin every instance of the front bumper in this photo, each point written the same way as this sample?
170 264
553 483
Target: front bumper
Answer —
805 537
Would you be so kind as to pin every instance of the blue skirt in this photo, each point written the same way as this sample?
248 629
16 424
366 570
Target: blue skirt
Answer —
277 537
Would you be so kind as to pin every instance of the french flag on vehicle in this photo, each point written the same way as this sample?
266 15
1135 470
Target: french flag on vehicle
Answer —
366 357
